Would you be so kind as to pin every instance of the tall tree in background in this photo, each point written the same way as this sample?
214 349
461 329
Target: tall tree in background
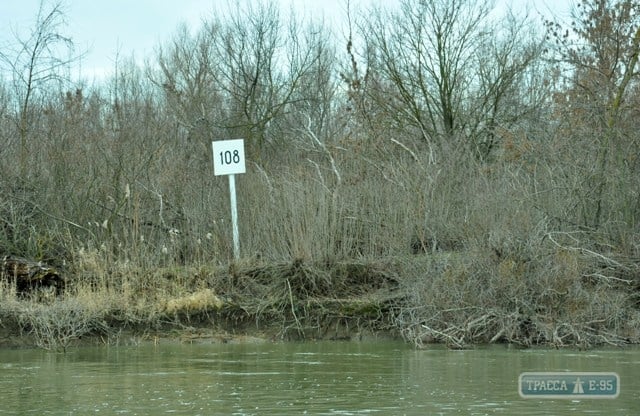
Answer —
448 71
35 62
244 73
425 51
601 50
505 92
187 79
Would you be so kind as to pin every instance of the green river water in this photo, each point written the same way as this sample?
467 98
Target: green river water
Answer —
319 378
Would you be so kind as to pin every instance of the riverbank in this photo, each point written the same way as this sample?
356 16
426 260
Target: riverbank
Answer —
456 298
201 333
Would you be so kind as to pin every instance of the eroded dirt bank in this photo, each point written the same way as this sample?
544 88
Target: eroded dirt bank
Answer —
455 298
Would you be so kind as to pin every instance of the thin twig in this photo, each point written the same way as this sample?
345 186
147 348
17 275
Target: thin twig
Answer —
313 136
413 155
55 217
293 310
585 251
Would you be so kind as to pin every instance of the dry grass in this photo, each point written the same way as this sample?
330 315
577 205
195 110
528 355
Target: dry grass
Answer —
458 298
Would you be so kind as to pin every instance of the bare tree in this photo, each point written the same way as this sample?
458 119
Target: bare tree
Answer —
504 91
445 69
246 73
425 51
601 50
187 79
37 61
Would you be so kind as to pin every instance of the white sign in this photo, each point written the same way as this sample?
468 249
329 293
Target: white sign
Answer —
228 157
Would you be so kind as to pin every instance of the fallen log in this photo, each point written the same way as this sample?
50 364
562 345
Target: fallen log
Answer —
28 276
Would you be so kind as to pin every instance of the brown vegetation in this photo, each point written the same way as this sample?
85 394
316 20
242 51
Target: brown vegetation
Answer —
486 192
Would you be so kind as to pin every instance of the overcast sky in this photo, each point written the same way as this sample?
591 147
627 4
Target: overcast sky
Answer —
106 27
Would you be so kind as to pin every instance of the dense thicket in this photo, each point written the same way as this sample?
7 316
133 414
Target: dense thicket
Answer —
438 127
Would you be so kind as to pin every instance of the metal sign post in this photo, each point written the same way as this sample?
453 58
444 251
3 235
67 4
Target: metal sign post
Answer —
228 159
234 216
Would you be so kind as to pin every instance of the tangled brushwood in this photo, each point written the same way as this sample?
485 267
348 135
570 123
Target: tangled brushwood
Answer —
566 298
483 191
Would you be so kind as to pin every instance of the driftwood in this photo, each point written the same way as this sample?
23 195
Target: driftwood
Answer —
29 276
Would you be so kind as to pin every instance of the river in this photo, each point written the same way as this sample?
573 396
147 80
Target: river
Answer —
319 378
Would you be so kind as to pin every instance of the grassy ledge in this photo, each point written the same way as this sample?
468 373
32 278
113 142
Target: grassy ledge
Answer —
458 298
